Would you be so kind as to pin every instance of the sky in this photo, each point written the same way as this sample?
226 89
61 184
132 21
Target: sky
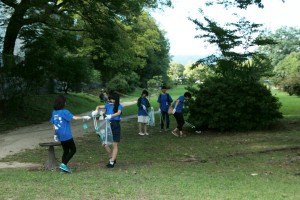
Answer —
181 32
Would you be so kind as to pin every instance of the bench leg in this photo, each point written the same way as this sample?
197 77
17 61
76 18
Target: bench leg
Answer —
51 164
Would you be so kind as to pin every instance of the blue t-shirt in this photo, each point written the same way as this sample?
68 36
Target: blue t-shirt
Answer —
180 104
110 110
61 121
141 111
165 101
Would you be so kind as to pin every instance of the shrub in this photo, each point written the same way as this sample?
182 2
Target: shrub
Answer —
292 85
229 105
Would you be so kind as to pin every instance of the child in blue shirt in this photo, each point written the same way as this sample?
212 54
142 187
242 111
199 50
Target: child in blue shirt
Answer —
113 112
164 101
61 122
143 117
177 112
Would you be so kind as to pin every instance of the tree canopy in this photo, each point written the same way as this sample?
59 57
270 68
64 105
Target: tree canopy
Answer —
65 40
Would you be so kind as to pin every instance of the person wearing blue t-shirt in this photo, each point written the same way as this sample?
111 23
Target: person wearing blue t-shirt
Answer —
177 112
61 122
143 117
164 102
113 111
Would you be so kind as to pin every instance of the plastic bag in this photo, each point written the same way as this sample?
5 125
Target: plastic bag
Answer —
105 133
151 121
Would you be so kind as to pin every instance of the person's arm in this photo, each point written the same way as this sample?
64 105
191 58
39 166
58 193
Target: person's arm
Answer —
81 117
176 103
100 107
117 113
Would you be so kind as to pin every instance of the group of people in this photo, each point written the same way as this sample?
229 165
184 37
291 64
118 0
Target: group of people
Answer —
165 108
61 118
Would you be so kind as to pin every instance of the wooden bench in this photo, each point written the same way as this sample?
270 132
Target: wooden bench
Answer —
51 163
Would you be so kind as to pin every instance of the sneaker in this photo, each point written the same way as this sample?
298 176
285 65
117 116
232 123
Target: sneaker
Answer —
111 164
182 134
174 133
146 133
62 171
161 130
140 133
167 129
114 161
65 168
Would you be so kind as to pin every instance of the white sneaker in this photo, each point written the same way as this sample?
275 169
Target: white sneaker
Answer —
141 133
174 133
146 133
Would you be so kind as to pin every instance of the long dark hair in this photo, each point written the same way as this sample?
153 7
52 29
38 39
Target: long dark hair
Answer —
117 101
59 102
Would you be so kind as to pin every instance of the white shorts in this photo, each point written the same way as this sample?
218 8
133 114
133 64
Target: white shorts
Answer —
143 119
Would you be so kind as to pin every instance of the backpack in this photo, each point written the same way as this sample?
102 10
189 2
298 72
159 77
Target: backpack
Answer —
168 97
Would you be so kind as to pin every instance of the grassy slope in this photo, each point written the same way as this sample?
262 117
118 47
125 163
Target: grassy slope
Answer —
161 166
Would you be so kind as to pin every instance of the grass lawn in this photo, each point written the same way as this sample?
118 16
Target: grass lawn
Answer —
251 165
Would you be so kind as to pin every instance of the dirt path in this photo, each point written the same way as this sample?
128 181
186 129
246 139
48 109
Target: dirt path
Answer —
29 137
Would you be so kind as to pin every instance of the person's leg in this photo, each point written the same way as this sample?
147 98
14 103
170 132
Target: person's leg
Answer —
114 151
65 148
107 150
163 117
116 131
174 132
180 123
145 129
167 121
69 149
140 127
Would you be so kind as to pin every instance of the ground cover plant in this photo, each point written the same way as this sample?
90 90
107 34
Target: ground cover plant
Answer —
249 165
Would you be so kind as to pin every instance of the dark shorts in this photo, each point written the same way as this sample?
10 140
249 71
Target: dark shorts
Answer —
116 130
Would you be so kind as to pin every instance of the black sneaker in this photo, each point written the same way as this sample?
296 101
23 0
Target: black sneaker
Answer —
109 165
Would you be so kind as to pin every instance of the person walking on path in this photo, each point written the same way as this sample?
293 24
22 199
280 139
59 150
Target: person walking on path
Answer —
143 118
164 101
178 114
61 122
113 111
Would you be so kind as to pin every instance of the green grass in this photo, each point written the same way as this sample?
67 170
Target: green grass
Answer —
252 165
290 104
161 166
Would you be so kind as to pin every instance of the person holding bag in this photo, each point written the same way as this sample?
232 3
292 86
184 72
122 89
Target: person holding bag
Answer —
178 114
113 111
60 119
143 115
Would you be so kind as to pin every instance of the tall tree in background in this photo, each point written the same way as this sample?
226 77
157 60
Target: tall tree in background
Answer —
92 20
287 41
234 92
284 56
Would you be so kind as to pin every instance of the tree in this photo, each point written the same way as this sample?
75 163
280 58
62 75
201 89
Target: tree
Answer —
237 71
176 71
92 20
287 73
287 41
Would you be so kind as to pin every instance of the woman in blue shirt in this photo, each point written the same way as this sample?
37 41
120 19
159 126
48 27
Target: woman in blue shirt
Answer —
113 112
61 122
177 112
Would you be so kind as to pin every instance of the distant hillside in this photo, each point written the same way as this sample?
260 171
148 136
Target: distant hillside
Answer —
185 59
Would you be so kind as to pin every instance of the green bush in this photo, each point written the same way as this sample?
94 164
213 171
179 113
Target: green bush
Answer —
230 104
292 85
